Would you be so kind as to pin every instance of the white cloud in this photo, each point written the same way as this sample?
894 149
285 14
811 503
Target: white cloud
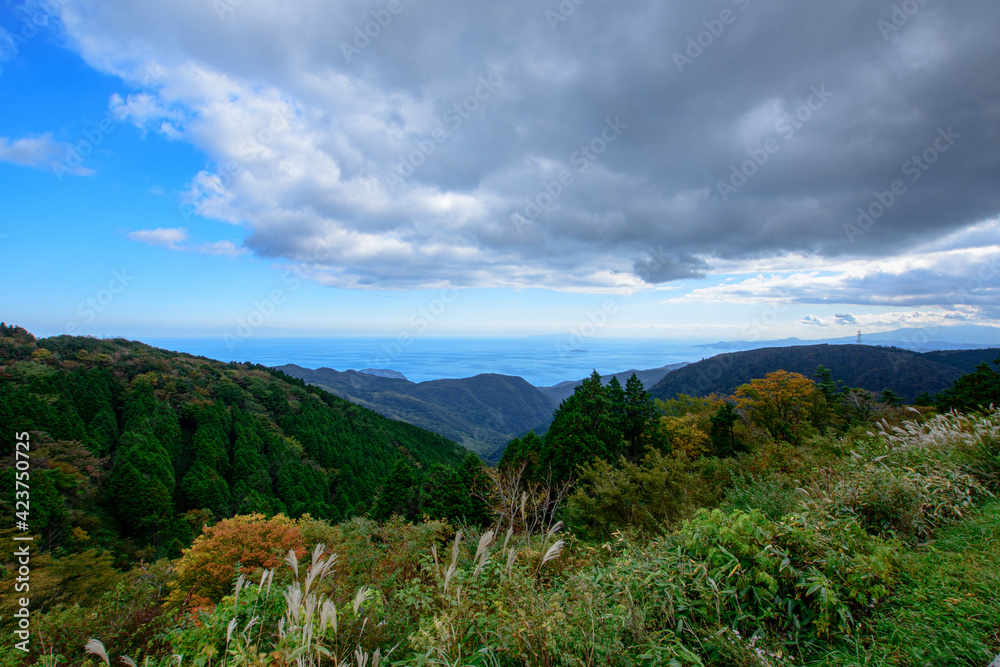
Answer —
223 248
167 237
406 162
8 46
173 238
41 152
947 278
888 321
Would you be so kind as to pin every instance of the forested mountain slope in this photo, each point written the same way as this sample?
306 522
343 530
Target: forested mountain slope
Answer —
648 377
907 374
483 412
135 442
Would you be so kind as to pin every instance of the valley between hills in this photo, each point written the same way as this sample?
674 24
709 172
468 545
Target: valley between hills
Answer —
485 412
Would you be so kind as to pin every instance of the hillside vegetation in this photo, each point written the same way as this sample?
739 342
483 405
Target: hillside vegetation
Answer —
648 377
137 443
482 413
792 522
907 374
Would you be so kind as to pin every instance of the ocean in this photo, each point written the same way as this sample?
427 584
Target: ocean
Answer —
542 361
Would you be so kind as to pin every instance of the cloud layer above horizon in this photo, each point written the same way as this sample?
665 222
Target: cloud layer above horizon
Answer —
845 152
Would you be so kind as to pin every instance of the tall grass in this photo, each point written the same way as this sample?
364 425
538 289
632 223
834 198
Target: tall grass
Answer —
847 571
303 627
909 480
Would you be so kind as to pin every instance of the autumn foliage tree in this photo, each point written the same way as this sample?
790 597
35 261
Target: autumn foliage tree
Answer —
781 403
205 572
684 435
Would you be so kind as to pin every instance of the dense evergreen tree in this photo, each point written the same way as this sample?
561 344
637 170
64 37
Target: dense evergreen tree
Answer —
975 390
615 395
210 444
204 485
250 468
722 431
204 488
103 432
474 481
584 427
889 397
595 422
639 413
442 494
149 440
826 385
526 451
399 494
141 485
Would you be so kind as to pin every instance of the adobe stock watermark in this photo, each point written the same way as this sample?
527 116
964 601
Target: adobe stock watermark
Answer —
565 10
92 306
751 331
583 331
900 16
535 206
598 318
370 30
93 137
419 322
714 28
919 164
22 512
985 273
452 121
262 310
223 8
249 149
31 26
785 129
75 153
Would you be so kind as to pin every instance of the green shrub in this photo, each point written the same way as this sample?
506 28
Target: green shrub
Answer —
912 479
653 496
301 624
727 647
945 608
797 579
767 493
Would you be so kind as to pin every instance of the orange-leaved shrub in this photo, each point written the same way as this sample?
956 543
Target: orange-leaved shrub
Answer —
253 542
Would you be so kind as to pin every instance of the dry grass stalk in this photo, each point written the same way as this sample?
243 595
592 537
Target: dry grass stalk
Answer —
482 552
95 647
553 552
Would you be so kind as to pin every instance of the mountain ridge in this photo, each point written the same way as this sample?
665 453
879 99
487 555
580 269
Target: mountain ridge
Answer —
172 433
483 412
649 377
875 368
960 337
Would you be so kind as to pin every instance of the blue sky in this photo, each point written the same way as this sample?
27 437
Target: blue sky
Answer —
198 169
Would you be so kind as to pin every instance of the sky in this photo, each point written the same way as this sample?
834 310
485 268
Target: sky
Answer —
733 169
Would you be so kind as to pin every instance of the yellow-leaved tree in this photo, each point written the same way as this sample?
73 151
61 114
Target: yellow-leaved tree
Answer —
685 435
782 403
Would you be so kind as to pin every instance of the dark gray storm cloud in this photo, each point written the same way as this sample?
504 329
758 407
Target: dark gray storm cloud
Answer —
658 268
519 144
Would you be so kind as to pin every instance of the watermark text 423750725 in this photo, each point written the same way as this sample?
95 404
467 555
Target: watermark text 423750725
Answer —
22 552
